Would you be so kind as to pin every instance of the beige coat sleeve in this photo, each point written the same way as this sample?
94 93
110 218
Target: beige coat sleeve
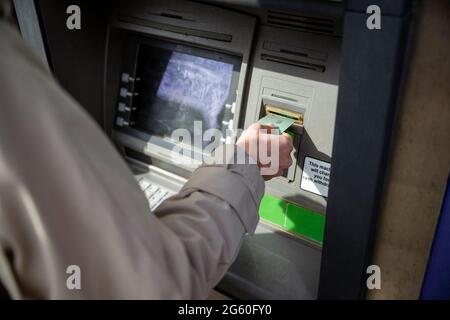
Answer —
67 198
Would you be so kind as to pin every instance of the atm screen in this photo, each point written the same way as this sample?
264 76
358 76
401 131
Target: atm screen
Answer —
179 85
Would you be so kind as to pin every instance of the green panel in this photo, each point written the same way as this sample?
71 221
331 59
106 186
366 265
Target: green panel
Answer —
292 218
305 222
273 210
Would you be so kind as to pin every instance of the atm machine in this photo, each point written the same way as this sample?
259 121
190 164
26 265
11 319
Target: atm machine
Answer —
163 64
171 63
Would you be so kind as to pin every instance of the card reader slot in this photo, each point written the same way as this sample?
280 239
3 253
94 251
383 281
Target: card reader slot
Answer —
297 116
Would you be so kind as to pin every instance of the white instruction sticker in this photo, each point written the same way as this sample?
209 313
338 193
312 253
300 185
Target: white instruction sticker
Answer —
316 176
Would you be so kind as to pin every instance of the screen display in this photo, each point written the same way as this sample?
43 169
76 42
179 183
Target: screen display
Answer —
181 85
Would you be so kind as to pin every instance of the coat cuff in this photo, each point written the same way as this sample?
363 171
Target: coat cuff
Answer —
239 184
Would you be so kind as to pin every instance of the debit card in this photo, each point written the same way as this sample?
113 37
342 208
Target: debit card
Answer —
279 122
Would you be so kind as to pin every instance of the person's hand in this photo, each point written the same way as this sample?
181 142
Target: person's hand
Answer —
272 152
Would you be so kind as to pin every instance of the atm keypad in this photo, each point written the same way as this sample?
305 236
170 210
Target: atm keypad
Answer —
154 192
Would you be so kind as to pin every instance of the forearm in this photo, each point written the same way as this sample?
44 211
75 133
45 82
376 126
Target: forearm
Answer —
211 214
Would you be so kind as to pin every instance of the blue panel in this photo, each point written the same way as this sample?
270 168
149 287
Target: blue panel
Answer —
437 277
